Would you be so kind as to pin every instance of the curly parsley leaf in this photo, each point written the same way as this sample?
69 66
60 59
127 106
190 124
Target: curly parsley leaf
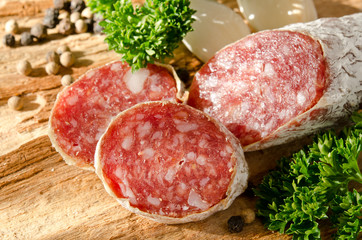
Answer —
313 185
146 33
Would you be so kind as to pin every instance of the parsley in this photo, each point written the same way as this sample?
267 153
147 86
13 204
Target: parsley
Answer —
313 185
143 34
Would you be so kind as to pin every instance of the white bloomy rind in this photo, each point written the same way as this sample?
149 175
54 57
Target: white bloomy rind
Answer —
340 39
237 185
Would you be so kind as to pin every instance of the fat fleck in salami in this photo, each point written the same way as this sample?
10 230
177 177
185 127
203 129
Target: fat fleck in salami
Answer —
170 162
275 86
83 110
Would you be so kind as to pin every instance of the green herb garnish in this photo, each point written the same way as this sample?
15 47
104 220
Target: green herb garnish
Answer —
313 185
146 33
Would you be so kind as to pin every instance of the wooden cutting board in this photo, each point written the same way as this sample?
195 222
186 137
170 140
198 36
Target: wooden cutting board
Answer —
43 198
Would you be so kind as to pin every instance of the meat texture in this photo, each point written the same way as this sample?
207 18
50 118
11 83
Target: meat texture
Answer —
83 110
276 86
170 162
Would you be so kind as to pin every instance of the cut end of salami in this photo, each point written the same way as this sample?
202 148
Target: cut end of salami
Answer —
170 162
261 82
83 110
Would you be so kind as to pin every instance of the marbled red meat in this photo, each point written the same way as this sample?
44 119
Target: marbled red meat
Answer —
83 110
168 161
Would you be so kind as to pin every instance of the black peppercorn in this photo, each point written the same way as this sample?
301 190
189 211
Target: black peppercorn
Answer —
26 39
235 224
62 4
97 28
38 31
9 40
77 5
51 18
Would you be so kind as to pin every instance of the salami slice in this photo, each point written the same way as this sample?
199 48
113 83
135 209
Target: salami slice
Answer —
170 162
275 86
83 110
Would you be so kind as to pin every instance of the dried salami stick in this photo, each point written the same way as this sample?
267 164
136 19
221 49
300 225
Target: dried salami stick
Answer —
170 162
275 86
83 110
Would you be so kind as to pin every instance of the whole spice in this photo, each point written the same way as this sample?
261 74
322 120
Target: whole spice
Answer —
62 4
77 5
52 56
9 40
23 67
65 27
248 214
63 15
80 26
67 59
63 48
97 29
26 39
51 18
75 16
11 26
235 224
66 80
38 31
87 13
16 103
52 68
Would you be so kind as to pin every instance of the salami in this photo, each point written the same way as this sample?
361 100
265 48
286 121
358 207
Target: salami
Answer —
170 162
83 110
275 86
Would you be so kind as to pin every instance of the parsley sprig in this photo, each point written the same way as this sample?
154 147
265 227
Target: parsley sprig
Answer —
313 185
146 33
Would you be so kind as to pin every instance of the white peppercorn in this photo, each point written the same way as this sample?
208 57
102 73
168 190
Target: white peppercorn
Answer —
38 31
66 80
63 48
11 26
67 59
80 26
16 103
24 67
64 15
65 27
74 17
52 68
248 214
52 56
77 5
87 13
26 39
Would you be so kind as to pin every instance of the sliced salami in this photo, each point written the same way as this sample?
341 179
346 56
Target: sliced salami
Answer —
170 162
83 110
275 86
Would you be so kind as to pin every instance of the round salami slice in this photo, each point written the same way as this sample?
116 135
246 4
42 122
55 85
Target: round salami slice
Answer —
170 162
275 86
83 110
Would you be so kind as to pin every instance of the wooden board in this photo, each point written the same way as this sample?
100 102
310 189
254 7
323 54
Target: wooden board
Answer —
43 198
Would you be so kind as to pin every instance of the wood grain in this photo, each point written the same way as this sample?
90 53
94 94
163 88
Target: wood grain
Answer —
43 198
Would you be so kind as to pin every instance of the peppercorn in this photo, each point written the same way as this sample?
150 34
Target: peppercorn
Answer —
11 26
63 48
64 15
51 18
77 5
24 67
66 80
26 39
62 4
97 17
80 26
97 29
248 215
52 56
87 13
65 27
52 68
16 103
74 17
67 59
39 31
9 40
235 224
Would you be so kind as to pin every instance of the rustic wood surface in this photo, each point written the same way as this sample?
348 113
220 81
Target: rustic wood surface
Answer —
43 198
